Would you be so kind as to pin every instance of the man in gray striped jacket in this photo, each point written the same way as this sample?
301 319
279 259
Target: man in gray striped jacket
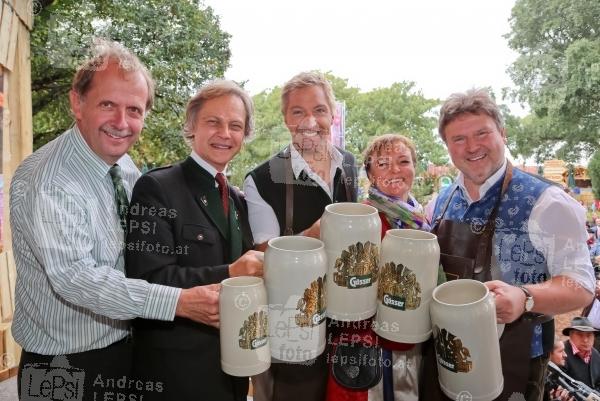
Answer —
68 215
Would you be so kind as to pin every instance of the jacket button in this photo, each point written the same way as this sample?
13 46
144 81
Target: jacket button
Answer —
200 237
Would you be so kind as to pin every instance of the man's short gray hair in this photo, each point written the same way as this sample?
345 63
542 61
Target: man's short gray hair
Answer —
473 101
103 52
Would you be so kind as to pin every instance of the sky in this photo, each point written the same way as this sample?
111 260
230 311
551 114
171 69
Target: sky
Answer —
443 46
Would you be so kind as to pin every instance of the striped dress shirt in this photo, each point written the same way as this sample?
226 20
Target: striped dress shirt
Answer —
71 291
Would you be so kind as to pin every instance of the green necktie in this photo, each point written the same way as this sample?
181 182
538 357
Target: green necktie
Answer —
120 195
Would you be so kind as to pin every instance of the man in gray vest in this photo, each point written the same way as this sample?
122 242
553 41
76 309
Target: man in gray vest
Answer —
287 195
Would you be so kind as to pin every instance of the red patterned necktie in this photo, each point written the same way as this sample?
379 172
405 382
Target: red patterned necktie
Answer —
222 181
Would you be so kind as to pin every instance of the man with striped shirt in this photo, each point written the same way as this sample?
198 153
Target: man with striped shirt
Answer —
72 297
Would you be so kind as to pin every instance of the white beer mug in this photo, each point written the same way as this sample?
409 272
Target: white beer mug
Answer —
352 236
463 315
244 331
295 269
408 273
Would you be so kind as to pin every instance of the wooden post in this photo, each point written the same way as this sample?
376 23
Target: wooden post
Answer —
16 21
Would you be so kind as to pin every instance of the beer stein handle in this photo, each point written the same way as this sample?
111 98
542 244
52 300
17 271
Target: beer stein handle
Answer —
499 326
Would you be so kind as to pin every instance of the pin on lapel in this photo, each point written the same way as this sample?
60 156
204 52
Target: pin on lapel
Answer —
204 200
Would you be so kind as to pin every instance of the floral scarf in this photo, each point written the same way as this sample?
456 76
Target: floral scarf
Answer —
399 214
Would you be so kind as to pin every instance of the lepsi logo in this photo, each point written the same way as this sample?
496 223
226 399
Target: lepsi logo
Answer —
56 381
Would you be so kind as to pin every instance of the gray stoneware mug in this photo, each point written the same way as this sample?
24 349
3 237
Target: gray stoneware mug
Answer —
244 329
463 316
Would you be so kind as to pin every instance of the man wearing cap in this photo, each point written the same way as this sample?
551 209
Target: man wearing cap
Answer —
583 361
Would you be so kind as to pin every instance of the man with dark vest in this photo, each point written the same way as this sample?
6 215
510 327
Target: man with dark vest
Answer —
287 195
583 361
517 232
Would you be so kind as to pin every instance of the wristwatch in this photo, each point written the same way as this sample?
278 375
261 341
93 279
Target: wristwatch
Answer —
528 299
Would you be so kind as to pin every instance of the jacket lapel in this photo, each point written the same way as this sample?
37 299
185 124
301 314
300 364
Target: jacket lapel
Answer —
235 231
202 186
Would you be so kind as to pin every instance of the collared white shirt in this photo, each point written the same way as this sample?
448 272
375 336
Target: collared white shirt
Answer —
71 293
460 180
206 166
556 226
263 221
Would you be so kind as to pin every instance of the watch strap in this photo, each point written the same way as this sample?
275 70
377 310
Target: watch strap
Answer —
528 299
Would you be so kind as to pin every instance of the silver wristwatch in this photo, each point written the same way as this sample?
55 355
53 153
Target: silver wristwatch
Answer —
528 299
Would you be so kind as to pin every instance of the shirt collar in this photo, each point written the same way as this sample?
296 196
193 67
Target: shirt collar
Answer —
299 164
93 162
586 356
460 180
205 165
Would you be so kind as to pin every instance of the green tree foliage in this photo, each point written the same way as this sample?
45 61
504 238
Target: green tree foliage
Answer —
594 173
181 43
398 108
270 135
558 75
184 46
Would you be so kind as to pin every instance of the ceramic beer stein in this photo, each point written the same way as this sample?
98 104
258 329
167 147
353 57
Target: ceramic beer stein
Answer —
295 275
352 236
244 331
408 273
463 315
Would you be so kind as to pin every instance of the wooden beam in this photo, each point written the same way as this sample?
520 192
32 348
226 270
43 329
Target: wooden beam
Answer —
12 141
17 141
26 132
3 364
5 302
12 277
2 103
24 8
12 42
5 160
5 22
13 350
31 9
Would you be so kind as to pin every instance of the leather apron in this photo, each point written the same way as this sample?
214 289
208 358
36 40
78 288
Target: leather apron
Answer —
465 252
